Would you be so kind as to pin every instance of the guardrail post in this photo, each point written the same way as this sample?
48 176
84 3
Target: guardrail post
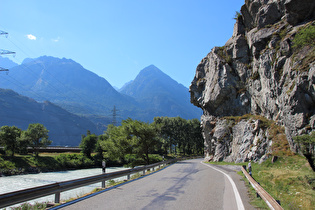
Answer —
104 171
128 177
57 197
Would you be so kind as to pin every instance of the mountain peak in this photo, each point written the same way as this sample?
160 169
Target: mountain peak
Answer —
7 63
155 89
150 69
49 59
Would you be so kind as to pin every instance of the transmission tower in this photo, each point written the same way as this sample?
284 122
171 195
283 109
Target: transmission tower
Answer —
114 111
5 52
4 33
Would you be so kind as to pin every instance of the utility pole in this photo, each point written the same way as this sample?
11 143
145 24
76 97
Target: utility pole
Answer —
5 52
114 111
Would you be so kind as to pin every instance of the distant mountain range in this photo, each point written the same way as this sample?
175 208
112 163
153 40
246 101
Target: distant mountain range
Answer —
64 128
79 91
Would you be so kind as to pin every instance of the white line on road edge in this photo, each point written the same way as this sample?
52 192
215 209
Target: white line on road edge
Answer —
238 198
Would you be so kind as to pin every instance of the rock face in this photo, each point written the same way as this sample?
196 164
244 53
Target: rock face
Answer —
258 72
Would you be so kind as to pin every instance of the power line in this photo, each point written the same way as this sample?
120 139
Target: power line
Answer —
5 52
49 84
3 69
4 33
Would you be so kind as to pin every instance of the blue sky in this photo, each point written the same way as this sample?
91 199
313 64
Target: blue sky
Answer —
117 38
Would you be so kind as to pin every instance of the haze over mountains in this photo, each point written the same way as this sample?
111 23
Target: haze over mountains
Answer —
79 91
64 128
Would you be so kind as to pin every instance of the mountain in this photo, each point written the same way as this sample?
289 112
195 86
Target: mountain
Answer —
264 75
6 63
67 84
64 128
127 83
62 89
160 94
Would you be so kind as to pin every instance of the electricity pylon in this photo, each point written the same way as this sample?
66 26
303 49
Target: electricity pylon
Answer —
114 111
5 52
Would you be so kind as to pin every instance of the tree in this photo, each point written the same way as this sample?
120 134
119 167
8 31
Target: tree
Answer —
9 138
37 135
24 142
195 137
307 144
166 125
144 137
115 143
88 144
178 133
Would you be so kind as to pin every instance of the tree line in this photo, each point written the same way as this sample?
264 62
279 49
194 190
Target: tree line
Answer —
135 140
15 140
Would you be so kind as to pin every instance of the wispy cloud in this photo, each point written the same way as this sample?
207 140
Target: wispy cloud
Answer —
31 37
56 40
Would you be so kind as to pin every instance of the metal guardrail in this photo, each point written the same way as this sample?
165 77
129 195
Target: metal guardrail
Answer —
270 201
53 149
20 196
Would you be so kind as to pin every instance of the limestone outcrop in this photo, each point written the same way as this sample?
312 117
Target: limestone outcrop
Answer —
260 71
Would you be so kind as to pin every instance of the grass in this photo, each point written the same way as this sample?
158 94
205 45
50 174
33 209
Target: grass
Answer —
223 54
305 37
304 47
28 206
255 200
290 180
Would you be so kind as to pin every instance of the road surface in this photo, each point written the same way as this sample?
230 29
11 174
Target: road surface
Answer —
188 184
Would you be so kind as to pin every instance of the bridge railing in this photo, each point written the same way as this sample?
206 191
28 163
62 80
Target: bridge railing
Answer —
20 196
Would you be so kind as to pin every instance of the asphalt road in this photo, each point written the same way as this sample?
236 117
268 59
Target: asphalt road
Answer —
187 184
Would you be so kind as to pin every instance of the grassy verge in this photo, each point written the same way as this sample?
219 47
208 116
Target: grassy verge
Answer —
290 180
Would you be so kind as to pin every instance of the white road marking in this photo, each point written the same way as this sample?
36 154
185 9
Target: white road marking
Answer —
238 198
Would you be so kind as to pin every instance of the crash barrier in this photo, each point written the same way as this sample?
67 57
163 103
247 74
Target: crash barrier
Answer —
20 196
52 149
270 201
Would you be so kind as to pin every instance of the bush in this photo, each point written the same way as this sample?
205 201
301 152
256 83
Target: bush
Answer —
76 161
6 167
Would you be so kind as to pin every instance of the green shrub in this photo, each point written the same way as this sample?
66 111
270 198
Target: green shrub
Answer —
76 161
237 15
305 37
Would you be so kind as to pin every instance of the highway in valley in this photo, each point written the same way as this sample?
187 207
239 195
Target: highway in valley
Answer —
188 184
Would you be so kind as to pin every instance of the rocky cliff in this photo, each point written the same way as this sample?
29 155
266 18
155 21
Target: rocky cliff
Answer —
257 91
